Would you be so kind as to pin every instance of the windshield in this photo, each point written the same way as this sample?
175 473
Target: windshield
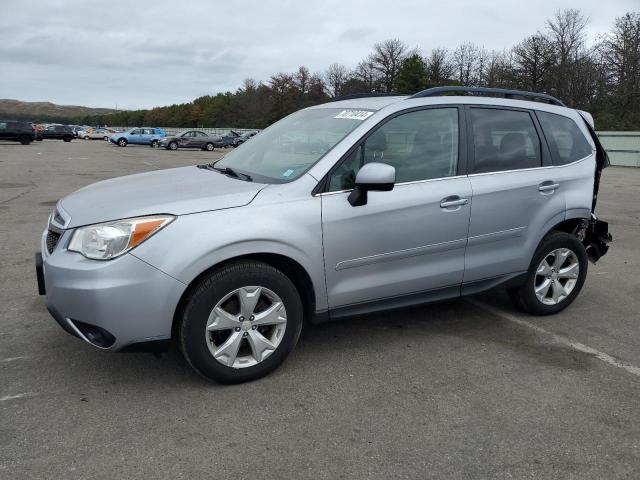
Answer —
288 148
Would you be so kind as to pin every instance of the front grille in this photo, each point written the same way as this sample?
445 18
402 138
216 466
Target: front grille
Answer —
52 240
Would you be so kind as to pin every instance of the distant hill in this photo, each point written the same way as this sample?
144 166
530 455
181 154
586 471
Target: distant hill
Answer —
46 111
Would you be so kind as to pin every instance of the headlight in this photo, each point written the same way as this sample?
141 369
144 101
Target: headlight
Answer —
104 241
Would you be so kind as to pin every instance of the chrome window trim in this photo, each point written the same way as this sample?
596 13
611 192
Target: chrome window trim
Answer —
545 167
397 184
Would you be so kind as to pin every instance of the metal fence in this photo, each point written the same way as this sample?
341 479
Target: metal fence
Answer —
623 147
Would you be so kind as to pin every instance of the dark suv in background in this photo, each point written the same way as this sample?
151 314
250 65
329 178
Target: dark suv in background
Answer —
58 132
23 132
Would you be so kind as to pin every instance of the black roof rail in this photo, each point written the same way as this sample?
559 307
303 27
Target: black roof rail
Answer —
500 92
353 96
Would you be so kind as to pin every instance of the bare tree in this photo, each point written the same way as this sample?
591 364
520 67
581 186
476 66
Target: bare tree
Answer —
465 62
387 59
335 77
302 78
567 35
620 50
439 66
533 61
367 75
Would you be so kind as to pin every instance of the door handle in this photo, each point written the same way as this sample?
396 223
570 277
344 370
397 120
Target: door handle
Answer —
453 201
548 187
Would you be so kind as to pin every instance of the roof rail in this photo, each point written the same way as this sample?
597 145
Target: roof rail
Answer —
352 96
500 92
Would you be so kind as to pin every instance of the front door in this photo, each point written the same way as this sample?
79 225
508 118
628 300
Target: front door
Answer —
410 240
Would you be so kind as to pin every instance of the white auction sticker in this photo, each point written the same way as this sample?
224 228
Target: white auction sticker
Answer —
354 114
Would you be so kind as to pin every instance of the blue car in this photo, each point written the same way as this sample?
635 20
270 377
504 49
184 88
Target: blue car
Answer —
138 136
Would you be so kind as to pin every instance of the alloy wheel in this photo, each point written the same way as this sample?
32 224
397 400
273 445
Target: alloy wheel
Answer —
246 326
556 276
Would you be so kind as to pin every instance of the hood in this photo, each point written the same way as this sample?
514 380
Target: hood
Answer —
177 191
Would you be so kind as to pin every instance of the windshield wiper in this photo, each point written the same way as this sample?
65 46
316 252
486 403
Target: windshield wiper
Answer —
232 173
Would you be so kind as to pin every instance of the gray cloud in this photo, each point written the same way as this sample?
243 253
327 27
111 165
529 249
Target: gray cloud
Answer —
162 52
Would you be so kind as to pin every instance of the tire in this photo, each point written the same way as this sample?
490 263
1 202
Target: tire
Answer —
105 138
67 138
562 253
172 146
122 142
24 139
221 289
209 147
154 143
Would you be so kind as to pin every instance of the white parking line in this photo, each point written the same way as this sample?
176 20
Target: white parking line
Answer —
12 359
604 357
147 163
12 397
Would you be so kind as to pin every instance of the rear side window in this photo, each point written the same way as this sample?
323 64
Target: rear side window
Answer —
566 142
504 140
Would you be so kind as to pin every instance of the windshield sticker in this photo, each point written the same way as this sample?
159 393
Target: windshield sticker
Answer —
287 173
354 114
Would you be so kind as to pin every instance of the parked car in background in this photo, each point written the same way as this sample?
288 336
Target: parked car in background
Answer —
13 131
244 137
192 139
97 134
230 139
58 132
138 136
410 200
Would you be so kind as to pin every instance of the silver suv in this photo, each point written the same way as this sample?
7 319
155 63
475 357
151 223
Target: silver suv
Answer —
341 209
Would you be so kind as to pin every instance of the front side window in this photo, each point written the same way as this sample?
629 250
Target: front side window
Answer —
137 131
504 140
565 140
421 145
288 148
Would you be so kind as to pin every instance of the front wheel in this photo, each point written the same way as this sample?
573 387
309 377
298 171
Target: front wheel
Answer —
556 275
173 146
209 147
240 322
67 138
105 138
122 142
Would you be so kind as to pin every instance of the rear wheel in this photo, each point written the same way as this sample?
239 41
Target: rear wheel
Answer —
67 138
122 142
154 143
240 322
556 275
173 145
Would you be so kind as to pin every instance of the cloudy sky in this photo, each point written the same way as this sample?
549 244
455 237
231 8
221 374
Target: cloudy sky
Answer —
148 53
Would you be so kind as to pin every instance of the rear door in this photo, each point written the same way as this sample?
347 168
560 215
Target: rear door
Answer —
516 192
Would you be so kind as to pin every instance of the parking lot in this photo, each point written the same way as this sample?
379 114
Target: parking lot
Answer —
466 389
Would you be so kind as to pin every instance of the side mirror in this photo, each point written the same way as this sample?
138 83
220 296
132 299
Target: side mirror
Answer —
375 177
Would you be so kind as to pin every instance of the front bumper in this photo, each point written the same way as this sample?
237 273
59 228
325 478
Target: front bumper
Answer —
109 304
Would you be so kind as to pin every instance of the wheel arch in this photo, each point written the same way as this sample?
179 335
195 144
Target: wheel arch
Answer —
287 265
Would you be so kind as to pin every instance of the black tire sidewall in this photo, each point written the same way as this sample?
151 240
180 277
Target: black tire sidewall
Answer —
207 294
206 147
173 146
554 241
122 142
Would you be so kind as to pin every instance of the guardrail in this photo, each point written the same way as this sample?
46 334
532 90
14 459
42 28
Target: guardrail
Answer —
623 147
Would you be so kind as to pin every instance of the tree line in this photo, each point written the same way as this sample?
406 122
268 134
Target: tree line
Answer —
602 77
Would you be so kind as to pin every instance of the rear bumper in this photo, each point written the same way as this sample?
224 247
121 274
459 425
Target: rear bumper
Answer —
111 304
